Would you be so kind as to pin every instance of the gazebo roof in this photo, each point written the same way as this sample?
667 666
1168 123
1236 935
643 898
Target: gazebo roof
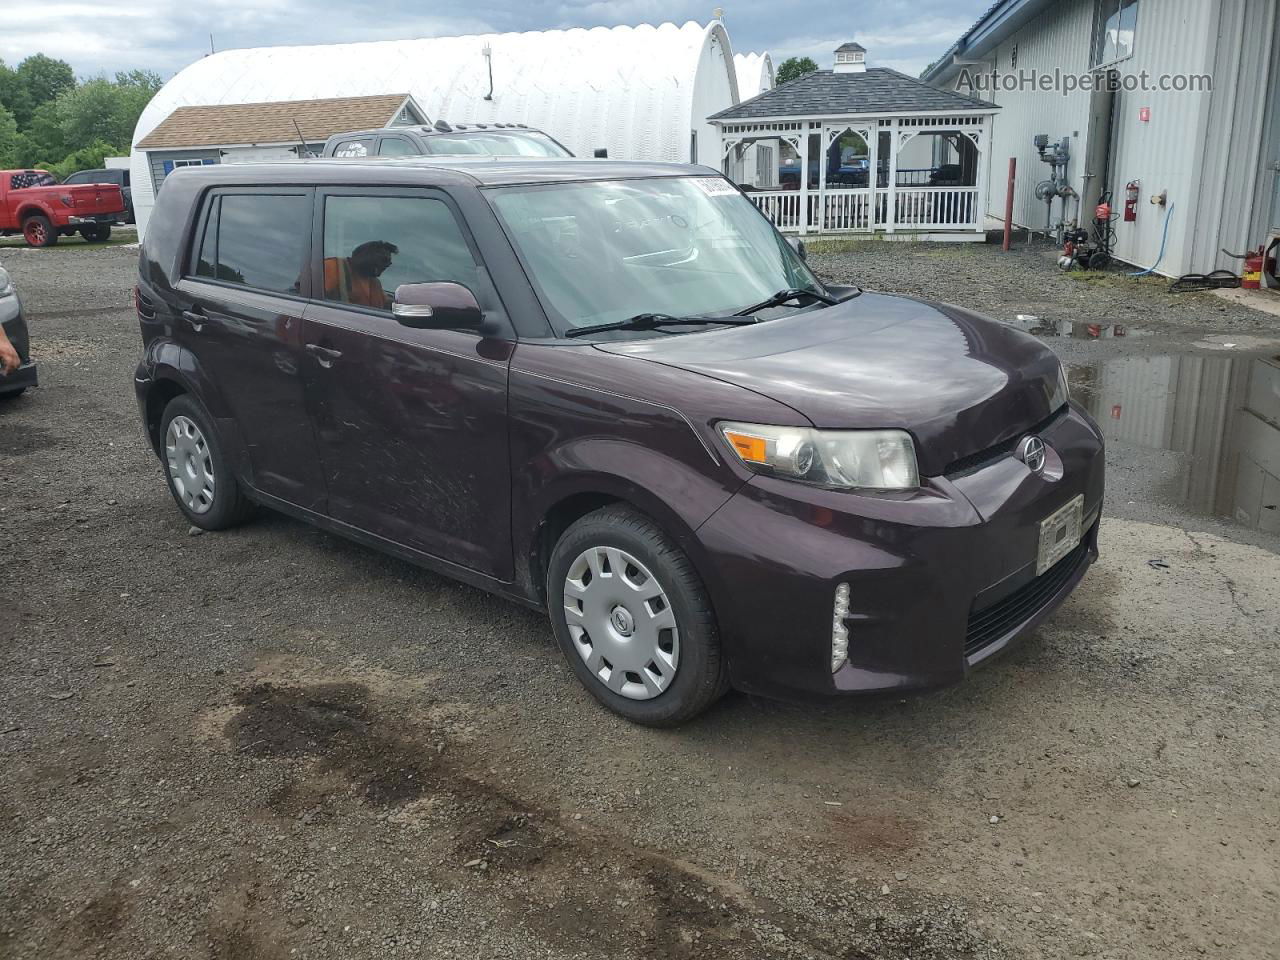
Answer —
827 93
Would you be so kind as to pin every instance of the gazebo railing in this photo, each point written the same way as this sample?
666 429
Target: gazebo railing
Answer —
947 208
845 210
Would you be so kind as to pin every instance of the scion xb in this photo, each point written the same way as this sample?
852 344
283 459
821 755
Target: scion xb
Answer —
613 391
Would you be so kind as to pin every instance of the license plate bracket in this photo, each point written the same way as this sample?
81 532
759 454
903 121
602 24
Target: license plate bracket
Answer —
1060 533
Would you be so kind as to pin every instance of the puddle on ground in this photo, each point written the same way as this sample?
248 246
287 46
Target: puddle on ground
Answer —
1070 328
1196 430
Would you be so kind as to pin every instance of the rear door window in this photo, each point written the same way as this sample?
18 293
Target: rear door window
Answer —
372 244
257 240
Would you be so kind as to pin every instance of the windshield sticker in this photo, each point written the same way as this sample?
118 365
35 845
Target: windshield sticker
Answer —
715 186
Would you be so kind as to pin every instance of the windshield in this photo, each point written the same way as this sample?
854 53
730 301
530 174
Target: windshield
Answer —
605 251
497 144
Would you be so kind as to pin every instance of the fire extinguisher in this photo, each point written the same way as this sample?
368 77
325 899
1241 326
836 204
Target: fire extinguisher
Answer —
1131 201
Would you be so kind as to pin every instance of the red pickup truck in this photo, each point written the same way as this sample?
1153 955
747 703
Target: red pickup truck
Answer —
34 204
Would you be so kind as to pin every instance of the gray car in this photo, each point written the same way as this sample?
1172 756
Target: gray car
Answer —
15 328
444 139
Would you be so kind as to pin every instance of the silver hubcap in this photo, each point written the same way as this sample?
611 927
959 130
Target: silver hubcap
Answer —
190 464
621 623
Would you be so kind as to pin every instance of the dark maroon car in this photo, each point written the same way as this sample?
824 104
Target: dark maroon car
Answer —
614 392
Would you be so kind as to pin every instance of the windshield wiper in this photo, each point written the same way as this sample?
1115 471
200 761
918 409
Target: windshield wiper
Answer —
651 321
786 296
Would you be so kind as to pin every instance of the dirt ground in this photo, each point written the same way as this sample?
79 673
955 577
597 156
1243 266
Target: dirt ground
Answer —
272 743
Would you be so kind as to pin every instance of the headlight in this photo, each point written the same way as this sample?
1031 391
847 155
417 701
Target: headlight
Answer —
6 285
870 459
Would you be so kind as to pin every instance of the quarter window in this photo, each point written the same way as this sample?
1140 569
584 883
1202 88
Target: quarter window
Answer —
395 147
258 240
1114 25
374 244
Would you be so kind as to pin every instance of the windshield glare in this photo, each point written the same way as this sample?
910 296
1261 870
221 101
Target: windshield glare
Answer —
506 144
604 251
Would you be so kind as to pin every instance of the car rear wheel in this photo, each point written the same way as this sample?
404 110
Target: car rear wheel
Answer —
99 233
634 620
38 231
198 474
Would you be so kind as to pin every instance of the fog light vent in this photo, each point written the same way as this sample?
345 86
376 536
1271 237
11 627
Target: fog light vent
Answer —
839 632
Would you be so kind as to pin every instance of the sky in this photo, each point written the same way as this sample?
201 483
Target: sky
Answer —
97 36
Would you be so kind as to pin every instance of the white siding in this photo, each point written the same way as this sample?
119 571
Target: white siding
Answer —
1200 147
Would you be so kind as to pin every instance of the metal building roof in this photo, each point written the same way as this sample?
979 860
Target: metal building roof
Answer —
828 93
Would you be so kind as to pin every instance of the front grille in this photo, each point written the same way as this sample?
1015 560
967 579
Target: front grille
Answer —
988 625
976 461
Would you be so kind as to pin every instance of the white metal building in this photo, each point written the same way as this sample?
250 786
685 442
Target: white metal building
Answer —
1213 152
754 72
641 92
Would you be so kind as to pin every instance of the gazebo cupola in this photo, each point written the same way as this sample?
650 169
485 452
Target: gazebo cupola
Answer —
851 58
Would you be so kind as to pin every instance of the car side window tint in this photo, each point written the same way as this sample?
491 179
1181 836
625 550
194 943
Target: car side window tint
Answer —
374 244
396 147
207 256
262 240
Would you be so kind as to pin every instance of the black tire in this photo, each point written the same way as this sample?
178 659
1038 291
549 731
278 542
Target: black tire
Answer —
228 505
96 234
11 394
701 675
38 231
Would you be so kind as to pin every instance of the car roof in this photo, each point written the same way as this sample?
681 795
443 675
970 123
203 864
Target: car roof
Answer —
424 130
436 171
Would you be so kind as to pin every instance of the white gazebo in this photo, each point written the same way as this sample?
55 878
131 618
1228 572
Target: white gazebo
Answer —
859 149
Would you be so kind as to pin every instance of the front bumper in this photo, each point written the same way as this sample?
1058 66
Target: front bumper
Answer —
941 579
25 376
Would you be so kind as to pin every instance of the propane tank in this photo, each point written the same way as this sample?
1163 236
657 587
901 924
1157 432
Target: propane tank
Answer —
1102 211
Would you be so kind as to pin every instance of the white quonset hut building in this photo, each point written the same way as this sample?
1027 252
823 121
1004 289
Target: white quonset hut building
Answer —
1212 149
642 93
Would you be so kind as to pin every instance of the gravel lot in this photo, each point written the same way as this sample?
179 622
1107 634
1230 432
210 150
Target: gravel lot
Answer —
272 743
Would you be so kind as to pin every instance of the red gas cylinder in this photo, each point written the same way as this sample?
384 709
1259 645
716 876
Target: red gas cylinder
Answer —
1251 279
1102 211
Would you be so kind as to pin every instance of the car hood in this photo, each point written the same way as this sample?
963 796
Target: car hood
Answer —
959 382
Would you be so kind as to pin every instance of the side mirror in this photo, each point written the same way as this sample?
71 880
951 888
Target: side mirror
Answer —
798 246
601 153
436 306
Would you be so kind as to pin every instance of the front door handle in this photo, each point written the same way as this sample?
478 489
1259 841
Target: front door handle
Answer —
325 355
195 318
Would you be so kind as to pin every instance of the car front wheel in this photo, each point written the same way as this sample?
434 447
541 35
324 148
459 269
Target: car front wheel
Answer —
198 474
634 620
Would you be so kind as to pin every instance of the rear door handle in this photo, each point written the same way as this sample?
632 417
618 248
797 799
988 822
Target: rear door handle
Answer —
195 318
326 355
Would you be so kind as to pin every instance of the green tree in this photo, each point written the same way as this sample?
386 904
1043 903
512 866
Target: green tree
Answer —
795 67
88 158
43 79
10 139
13 95
43 141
